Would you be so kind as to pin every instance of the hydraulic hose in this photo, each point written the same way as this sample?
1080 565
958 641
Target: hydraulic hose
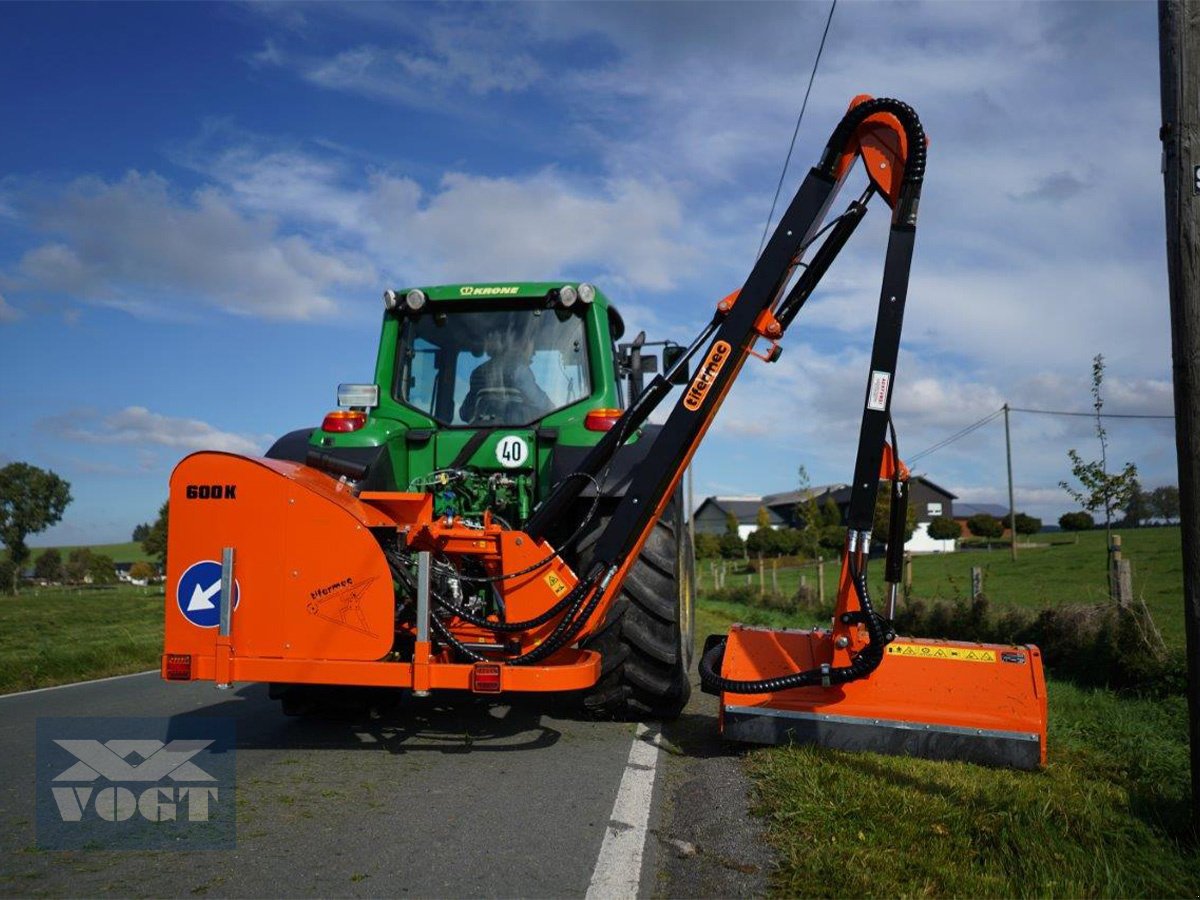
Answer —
860 667
914 163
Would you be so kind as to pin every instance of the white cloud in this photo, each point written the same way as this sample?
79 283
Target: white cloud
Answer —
138 426
134 244
472 227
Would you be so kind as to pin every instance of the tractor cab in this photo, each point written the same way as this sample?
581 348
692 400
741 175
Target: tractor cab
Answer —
485 395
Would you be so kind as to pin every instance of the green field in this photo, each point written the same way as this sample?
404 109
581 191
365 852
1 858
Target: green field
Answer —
1054 571
1106 817
58 635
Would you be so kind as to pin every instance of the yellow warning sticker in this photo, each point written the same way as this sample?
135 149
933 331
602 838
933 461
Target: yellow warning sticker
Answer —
557 585
950 654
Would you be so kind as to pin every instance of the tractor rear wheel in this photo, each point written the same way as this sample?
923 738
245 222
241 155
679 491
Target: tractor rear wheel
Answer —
646 640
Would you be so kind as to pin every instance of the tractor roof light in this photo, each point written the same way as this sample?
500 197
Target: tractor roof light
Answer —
567 295
587 293
415 299
358 396
341 421
390 299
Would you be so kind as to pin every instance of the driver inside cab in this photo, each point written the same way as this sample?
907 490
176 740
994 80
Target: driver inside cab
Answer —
503 388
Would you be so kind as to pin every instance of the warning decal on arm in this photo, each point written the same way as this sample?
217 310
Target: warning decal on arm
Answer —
950 654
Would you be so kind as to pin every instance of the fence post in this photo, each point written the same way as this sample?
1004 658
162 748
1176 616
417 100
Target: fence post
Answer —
762 578
976 582
1124 583
907 575
775 575
820 579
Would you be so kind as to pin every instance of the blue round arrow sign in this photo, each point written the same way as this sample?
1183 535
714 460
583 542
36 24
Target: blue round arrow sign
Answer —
199 594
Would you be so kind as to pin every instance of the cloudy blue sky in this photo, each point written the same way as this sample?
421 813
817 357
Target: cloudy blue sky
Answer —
200 205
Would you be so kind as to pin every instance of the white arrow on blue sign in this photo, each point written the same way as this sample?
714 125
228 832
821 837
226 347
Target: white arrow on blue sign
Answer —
199 594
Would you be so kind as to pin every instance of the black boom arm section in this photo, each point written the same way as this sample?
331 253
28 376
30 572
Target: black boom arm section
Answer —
761 311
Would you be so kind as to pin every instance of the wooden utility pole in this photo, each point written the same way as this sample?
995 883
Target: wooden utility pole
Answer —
1012 508
1179 59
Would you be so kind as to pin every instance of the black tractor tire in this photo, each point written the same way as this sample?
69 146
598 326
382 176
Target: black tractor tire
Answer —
645 642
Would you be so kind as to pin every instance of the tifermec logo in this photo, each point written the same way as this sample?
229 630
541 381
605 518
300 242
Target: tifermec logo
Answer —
133 784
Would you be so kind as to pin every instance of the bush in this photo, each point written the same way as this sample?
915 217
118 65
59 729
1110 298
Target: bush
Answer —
985 526
708 546
1097 646
732 547
7 571
1028 524
1076 521
943 528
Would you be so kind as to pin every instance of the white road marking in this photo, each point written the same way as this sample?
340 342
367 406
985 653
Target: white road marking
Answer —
59 687
618 869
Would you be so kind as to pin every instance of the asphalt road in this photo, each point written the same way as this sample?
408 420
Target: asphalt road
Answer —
458 797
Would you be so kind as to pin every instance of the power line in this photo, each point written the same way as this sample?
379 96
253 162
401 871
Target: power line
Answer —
958 435
1089 415
799 119
975 426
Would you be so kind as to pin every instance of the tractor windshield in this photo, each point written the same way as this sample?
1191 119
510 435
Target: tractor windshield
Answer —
479 364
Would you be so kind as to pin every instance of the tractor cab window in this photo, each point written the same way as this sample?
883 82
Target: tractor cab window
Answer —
477 364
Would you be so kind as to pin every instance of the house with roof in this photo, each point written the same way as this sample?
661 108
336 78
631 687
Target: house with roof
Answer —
713 513
928 500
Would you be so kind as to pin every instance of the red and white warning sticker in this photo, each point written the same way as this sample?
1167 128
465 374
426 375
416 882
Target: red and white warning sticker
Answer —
877 396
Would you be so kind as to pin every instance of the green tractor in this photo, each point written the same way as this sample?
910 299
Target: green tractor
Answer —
488 395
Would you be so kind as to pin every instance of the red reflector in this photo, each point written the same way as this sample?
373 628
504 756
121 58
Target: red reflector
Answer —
179 667
344 420
485 678
602 419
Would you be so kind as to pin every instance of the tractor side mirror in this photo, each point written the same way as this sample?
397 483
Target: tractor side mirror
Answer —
671 355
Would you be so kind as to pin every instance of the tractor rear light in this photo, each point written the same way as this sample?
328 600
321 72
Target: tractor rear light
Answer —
602 419
485 678
390 299
179 667
342 420
415 299
567 295
587 293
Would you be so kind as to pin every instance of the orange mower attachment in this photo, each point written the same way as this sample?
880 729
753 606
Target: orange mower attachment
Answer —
278 573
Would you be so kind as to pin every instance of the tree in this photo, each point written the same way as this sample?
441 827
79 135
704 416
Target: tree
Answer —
731 524
762 518
79 564
1076 521
1027 524
31 500
708 546
732 547
1137 509
49 566
155 543
102 569
762 542
944 528
985 526
883 513
141 532
8 574
1164 502
1100 489
141 571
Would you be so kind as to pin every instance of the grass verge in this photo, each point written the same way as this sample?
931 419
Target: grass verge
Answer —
59 635
1106 817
